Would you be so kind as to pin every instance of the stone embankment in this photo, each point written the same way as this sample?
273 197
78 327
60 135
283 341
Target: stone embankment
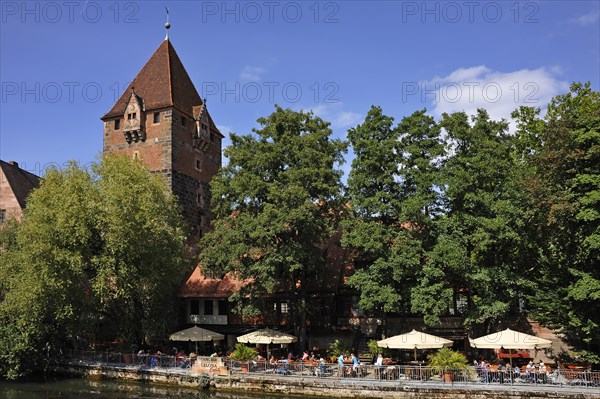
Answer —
338 388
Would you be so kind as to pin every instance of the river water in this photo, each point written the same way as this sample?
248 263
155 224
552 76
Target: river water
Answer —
77 388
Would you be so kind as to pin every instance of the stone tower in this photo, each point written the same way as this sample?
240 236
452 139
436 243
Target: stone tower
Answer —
161 119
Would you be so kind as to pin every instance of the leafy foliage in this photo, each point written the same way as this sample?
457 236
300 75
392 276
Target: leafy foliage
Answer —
94 249
243 352
392 192
563 187
447 359
276 203
476 256
338 347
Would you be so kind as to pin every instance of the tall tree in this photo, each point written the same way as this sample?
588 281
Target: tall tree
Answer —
392 192
93 248
276 203
564 194
474 266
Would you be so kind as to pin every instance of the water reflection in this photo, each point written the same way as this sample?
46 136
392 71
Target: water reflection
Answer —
74 388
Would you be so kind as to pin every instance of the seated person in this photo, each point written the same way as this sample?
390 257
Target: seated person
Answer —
529 370
355 364
321 370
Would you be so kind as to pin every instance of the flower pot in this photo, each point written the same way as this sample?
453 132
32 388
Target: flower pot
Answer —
448 377
244 366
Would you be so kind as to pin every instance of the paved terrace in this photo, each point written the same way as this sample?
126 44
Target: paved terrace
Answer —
557 384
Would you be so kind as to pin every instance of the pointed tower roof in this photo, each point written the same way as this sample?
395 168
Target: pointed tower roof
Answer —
162 82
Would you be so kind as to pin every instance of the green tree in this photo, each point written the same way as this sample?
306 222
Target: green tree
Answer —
94 248
474 267
392 192
564 201
276 203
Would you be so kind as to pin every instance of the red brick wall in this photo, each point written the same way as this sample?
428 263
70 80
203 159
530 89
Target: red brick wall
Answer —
169 151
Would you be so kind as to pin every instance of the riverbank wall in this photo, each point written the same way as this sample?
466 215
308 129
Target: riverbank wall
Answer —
338 388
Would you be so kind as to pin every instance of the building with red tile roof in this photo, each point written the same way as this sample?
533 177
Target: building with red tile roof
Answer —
161 119
15 186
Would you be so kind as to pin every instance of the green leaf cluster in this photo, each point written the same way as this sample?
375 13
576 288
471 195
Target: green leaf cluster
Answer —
276 202
98 250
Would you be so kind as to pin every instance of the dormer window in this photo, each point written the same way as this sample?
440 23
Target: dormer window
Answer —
134 127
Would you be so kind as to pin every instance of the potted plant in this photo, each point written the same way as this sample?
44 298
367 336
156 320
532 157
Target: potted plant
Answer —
337 348
446 361
244 354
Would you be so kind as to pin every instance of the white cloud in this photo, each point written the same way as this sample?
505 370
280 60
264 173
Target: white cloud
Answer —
467 89
252 73
586 19
335 113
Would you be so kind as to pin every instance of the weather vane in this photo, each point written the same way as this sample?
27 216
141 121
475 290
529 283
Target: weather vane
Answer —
167 25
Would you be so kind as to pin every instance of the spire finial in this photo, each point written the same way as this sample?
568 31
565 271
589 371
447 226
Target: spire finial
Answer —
167 25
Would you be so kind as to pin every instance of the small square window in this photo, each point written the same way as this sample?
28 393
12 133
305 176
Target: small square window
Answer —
157 117
284 307
183 121
117 124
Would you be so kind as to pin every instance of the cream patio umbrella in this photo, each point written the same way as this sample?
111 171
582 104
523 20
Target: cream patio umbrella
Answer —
414 340
196 334
509 339
267 336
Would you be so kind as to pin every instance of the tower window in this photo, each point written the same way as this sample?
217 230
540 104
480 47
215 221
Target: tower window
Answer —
183 121
157 117
200 200
198 164
117 124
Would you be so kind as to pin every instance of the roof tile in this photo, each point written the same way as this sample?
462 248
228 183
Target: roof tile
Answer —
162 82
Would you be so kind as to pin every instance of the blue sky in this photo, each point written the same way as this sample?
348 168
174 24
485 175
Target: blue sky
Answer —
64 63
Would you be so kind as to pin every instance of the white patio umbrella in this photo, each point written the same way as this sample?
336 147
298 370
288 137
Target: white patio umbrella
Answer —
267 336
509 339
414 340
196 334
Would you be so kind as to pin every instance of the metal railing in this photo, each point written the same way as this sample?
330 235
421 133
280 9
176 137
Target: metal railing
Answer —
317 370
